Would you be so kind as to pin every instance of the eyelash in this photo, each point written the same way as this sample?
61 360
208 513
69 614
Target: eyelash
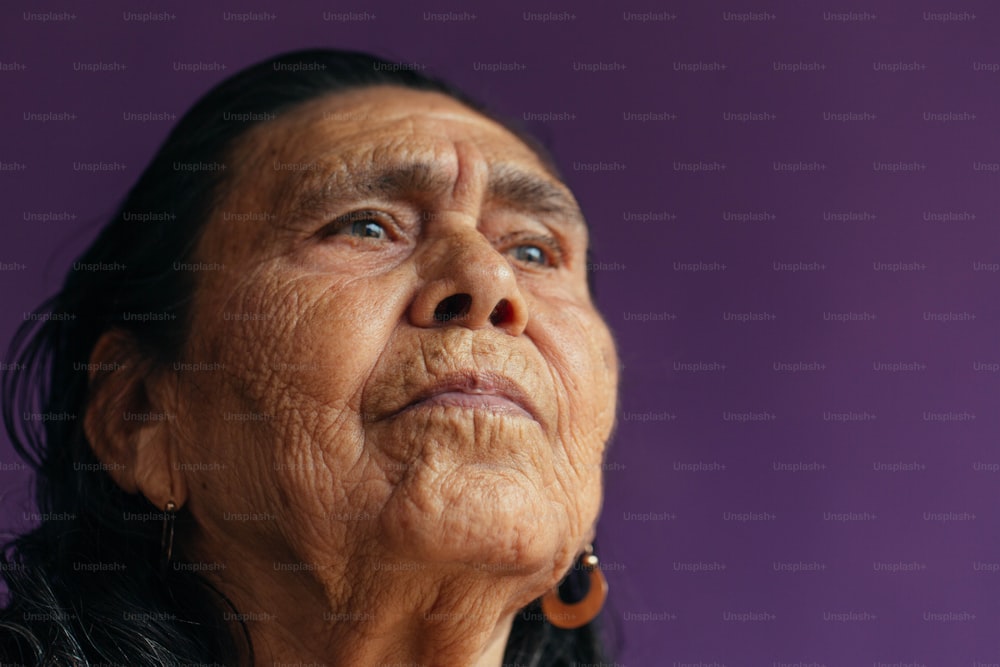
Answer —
549 245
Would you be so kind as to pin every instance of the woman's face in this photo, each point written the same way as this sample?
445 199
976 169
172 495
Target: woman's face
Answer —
393 350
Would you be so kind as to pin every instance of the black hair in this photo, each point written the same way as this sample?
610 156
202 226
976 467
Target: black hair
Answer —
85 587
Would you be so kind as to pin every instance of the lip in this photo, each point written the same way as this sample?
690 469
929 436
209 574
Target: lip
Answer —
476 390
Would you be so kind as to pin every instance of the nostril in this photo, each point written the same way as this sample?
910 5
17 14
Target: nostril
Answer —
501 312
454 307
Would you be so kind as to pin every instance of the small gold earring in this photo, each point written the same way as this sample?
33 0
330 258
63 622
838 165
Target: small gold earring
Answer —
167 535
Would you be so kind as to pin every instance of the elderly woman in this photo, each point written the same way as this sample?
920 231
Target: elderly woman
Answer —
342 393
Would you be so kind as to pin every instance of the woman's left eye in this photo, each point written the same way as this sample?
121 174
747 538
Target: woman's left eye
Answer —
530 253
542 251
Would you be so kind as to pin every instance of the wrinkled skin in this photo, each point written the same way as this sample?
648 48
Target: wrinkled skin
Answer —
377 535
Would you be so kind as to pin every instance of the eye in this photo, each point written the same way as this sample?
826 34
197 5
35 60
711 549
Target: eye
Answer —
541 251
362 224
369 228
530 253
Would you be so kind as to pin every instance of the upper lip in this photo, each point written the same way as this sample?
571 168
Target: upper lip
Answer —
477 382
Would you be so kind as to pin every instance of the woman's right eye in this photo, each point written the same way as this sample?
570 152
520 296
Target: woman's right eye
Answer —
369 228
364 224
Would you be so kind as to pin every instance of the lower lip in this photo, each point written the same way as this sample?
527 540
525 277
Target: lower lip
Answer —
458 399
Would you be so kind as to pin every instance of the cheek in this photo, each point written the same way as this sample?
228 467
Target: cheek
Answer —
315 336
595 358
296 351
581 354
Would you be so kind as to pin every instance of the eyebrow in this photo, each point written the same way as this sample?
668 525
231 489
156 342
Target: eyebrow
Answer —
520 189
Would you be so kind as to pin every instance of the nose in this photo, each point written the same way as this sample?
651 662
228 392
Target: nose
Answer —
468 282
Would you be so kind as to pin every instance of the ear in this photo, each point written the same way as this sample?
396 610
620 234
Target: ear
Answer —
128 420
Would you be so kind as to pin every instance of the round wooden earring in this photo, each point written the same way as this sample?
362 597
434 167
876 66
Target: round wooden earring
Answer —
571 616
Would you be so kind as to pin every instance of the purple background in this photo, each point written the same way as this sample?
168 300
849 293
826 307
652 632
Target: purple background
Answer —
901 562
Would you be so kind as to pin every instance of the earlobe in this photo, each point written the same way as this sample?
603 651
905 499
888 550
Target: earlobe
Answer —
156 474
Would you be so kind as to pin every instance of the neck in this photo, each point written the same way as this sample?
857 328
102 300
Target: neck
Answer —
354 613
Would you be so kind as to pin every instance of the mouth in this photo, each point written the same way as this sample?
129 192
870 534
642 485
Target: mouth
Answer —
474 390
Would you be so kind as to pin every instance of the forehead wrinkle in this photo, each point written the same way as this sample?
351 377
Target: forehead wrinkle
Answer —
339 182
302 190
401 180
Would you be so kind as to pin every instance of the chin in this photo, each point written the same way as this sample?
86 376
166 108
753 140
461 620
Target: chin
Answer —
480 492
486 517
